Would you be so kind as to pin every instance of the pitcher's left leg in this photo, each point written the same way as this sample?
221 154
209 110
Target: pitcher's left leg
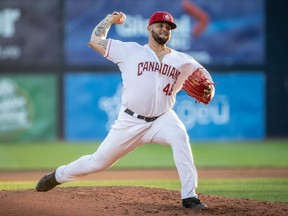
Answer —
169 130
183 158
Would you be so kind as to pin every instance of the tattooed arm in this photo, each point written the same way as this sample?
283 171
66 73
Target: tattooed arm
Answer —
98 39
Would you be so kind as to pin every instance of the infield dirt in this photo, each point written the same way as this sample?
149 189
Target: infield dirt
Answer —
128 200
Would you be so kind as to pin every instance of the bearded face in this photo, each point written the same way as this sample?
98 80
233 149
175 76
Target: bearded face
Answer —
161 36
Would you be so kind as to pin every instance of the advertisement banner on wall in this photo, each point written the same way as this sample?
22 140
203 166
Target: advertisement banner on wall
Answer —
91 106
28 108
227 33
236 112
30 32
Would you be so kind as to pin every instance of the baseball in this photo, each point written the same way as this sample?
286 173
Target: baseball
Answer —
118 18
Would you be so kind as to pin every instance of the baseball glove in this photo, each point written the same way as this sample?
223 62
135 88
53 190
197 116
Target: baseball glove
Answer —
198 86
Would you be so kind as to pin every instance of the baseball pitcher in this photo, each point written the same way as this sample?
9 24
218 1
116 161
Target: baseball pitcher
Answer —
152 75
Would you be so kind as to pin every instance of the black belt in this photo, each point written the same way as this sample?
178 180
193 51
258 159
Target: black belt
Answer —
148 119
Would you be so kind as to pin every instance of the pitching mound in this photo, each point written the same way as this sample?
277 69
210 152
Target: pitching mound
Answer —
102 201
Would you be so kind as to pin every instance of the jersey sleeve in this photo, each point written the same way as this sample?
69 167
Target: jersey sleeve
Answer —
116 51
193 65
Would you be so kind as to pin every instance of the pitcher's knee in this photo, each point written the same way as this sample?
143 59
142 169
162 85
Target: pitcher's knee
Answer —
179 136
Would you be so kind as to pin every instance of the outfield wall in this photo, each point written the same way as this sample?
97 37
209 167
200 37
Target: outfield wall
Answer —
52 84
92 105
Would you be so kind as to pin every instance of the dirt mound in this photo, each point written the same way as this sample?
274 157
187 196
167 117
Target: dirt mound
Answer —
125 200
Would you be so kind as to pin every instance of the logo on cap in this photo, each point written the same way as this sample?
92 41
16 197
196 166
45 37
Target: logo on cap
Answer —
167 17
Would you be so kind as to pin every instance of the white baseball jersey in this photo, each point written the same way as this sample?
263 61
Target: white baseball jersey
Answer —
149 89
141 67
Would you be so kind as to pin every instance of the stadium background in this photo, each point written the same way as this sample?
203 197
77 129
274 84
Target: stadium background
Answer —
52 86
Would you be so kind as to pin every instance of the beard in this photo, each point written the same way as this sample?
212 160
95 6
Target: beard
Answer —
159 39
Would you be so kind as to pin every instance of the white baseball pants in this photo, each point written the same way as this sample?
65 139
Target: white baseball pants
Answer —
129 132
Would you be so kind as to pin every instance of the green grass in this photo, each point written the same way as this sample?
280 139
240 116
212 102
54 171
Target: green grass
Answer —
258 189
240 154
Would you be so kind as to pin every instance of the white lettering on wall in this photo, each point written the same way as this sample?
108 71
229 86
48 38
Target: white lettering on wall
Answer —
14 107
111 105
8 18
217 112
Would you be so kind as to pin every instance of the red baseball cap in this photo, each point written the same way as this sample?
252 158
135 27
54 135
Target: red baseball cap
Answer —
162 16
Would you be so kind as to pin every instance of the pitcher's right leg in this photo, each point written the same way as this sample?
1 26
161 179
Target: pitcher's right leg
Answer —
124 136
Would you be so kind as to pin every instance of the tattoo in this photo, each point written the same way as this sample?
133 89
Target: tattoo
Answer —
99 31
103 43
102 28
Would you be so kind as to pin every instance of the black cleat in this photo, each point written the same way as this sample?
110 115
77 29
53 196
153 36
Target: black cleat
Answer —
47 183
193 203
